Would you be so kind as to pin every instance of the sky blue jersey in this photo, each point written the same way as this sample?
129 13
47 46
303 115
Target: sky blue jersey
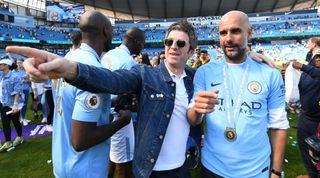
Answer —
263 90
73 103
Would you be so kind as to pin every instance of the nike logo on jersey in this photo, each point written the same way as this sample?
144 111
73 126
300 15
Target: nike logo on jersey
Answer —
215 84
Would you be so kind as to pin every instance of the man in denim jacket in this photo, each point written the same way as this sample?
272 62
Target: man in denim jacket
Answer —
164 93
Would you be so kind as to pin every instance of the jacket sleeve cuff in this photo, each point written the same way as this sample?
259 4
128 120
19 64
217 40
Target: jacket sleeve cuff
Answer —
305 67
82 75
15 92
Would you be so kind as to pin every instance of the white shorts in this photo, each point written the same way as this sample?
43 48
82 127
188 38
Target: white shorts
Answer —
122 144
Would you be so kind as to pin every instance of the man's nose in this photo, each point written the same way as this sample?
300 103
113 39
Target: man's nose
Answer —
229 37
174 45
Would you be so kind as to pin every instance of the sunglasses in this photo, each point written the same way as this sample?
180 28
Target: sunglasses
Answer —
169 42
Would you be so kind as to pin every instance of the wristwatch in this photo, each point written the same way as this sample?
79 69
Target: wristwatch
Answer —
278 173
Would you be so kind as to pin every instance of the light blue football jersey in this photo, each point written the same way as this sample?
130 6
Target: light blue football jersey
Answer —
73 103
263 90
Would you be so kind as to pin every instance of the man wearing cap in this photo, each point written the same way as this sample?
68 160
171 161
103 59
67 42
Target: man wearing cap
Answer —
11 98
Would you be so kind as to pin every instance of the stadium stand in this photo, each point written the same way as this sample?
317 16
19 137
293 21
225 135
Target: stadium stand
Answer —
268 27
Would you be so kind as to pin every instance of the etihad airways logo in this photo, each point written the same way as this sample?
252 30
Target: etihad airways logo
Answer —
245 108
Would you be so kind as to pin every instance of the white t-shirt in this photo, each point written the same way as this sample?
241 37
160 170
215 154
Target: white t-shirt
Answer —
37 88
172 153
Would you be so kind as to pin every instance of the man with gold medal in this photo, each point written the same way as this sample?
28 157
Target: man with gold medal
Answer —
242 101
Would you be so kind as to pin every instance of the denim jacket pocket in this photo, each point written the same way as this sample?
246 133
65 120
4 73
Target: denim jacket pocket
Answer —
153 100
9 84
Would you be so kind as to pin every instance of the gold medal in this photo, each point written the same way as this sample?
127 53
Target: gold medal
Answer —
230 134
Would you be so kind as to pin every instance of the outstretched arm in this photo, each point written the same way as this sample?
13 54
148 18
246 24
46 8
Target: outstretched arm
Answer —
42 65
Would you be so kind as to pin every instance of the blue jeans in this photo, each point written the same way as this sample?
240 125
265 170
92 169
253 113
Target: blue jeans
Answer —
44 104
24 108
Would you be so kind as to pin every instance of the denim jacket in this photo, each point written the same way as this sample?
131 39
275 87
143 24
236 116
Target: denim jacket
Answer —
11 85
156 94
22 74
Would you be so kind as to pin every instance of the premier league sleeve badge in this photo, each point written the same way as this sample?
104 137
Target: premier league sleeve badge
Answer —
92 101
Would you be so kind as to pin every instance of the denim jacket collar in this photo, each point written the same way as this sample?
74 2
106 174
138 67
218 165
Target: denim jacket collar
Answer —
167 77
7 75
165 74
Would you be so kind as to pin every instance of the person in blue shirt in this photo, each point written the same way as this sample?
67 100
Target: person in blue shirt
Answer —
26 89
80 124
122 142
12 99
242 100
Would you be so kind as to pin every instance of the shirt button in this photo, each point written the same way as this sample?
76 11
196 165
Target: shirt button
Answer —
161 137
168 116
152 96
172 84
172 94
151 160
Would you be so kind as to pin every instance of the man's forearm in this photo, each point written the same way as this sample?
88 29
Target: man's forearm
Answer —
101 80
71 74
193 117
278 139
86 135
311 70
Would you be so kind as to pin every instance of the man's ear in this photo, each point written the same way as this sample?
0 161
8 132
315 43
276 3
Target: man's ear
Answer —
106 32
250 31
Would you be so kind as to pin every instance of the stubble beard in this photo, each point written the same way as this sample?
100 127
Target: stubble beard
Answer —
237 56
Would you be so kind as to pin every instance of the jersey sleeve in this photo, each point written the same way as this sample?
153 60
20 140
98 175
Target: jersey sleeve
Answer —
199 84
277 116
88 106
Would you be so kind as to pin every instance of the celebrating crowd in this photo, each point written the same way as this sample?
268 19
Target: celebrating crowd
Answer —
241 99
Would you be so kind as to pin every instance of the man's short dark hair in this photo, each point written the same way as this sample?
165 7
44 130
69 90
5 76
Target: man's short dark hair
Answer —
186 27
76 38
204 51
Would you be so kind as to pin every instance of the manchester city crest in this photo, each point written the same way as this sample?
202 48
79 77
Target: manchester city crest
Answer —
254 87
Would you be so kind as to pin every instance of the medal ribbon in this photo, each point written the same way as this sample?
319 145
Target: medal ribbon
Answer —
233 112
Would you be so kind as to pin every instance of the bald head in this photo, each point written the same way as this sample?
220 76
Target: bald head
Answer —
94 22
96 30
134 40
235 31
135 33
238 16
